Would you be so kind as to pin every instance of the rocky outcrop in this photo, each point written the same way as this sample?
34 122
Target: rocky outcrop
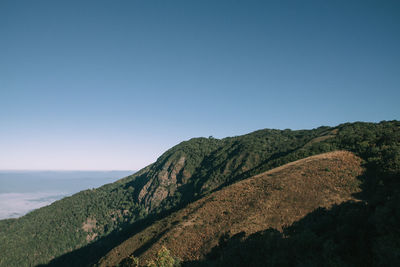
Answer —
163 183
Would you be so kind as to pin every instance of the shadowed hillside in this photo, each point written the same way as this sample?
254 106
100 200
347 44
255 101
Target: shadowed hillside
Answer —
272 199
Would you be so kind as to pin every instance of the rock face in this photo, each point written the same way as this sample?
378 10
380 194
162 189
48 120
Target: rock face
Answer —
163 183
172 177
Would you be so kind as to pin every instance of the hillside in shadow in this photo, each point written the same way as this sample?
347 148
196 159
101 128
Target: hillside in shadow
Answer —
92 253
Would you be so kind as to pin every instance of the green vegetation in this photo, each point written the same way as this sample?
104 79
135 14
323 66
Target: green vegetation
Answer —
86 225
363 233
212 163
164 259
131 261
66 225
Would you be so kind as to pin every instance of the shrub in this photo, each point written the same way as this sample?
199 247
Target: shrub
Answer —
164 259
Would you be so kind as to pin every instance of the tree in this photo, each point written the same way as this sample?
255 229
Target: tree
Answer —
164 259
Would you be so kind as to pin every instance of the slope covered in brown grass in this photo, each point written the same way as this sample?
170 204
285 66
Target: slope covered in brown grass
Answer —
272 199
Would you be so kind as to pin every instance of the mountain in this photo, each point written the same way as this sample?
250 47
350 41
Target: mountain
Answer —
81 229
274 199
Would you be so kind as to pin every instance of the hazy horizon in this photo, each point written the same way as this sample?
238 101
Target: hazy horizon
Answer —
24 191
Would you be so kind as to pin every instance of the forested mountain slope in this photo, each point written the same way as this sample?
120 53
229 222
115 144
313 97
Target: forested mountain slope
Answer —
88 224
272 199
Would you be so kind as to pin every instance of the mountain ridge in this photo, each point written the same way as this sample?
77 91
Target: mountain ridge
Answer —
55 234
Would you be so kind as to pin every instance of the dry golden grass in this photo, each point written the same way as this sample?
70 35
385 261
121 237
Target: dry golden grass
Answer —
272 199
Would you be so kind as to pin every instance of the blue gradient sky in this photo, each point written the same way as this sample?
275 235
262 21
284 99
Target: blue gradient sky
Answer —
113 84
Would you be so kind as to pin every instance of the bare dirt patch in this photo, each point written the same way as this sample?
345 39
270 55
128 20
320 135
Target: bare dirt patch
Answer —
89 226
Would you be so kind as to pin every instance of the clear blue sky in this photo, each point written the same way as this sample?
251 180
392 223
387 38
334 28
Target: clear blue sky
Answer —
113 84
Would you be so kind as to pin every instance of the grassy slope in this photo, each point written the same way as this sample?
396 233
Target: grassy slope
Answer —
272 199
